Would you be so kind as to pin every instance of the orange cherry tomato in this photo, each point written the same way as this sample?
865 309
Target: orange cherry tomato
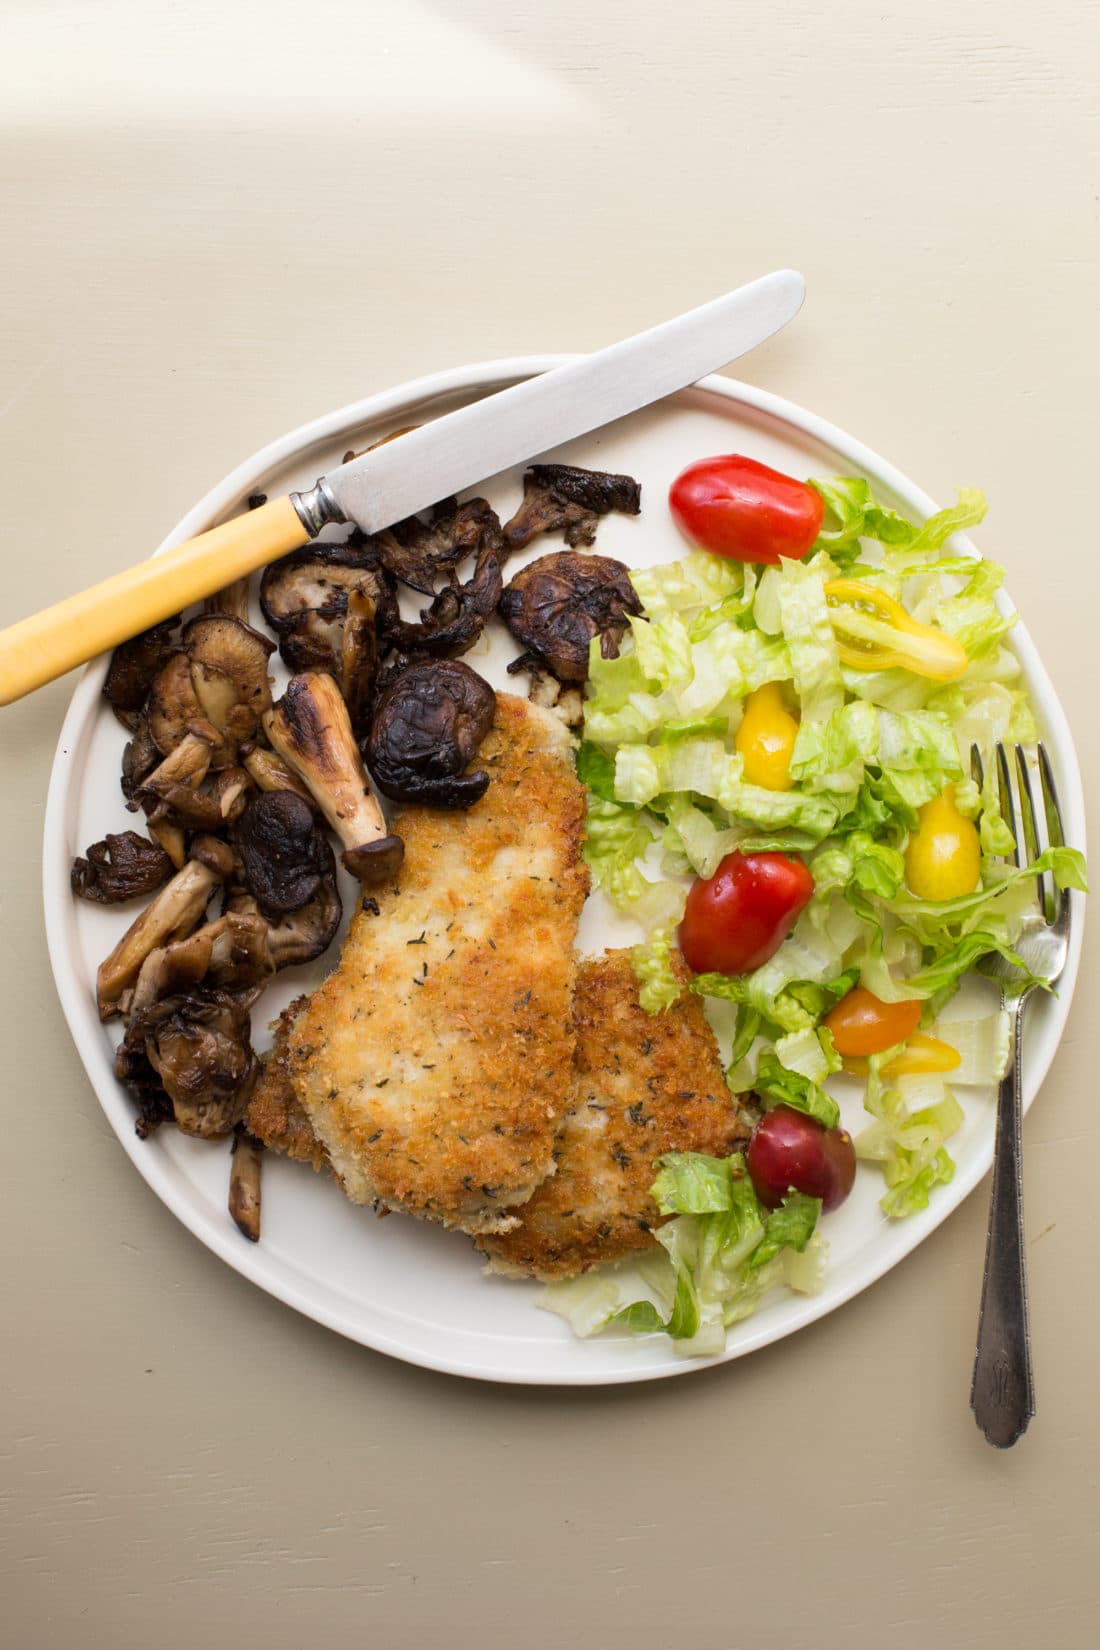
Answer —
862 1024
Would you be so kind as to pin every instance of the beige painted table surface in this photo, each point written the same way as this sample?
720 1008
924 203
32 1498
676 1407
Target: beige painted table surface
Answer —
221 220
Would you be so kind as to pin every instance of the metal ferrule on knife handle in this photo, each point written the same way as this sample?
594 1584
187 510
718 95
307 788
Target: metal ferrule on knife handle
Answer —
393 480
317 509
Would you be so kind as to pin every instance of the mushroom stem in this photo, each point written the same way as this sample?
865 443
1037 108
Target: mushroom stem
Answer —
172 839
177 910
270 773
310 728
188 764
244 1182
233 600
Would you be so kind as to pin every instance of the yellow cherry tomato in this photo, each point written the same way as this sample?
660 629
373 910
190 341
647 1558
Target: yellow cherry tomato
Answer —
943 857
766 739
874 632
921 1054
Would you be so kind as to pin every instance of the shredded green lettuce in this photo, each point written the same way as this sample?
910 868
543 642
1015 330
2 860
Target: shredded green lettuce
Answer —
668 799
658 986
910 1145
717 1259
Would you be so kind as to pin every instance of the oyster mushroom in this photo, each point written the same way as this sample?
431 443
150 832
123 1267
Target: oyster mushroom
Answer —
427 728
120 867
561 495
209 808
310 729
239 951
304 597
174 793
177 910
558 603
140 756
231 953
195 1049
220 678
133 666
457 615
419 552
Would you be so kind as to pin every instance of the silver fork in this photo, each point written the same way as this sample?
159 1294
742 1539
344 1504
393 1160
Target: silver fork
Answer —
1002 1394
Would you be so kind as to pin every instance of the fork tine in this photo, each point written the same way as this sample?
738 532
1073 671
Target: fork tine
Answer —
1032 846
977 771
1055 833
1050 800
1008 801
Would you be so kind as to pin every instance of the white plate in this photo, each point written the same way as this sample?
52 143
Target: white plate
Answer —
402 1287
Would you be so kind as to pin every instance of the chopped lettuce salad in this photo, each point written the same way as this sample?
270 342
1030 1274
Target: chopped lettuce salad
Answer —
668 800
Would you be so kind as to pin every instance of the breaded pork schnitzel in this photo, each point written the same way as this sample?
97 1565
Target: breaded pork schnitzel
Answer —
642 1085
645 1084
435 1062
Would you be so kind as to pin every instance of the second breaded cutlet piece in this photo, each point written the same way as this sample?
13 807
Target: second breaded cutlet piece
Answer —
435 1062
645 1084
274 1115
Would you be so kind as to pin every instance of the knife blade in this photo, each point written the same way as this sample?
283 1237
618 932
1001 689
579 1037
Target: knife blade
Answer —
517 424
397 479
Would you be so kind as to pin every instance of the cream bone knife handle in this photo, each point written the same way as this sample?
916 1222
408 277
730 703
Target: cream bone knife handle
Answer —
38 649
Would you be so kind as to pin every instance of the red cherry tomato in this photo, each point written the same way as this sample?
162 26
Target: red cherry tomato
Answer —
789 1150
739 917
738 508
862 1023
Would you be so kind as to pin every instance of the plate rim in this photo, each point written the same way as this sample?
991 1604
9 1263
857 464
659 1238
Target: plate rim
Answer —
476 379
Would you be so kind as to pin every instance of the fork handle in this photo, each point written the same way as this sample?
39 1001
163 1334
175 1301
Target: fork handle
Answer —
1002 1394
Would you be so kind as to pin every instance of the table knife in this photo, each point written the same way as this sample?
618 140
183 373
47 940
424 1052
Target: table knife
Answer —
399 478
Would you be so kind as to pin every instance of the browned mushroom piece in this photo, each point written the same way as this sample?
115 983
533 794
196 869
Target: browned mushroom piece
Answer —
311 730
177 911
304 597
301 935
457 615
133 666
232 600
286 911
557 604
220 679
284 856
210 807
269 772
119 868
140 756
427 728
359 657
198 1047
172 838
561 495
244 1182
176 792
231 953
419 552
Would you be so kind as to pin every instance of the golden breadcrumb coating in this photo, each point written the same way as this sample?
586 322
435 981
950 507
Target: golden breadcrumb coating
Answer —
435 1062
645 1084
